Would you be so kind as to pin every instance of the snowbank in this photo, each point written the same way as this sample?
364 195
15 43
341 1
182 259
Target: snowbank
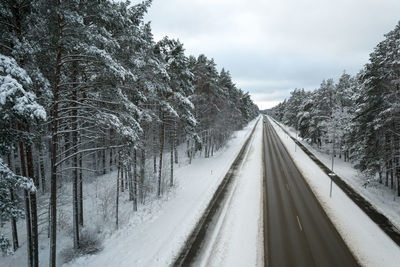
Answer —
381 197
237 239
155 239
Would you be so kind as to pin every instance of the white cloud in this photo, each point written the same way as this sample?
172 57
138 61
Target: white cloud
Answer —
277 45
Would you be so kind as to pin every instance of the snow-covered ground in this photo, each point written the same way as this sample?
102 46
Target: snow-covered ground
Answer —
237 238
370 245
153 237
380 196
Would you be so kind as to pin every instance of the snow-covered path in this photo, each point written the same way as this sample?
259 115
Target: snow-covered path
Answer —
236 239
156 241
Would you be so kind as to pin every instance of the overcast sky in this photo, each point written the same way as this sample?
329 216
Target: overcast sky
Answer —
273 46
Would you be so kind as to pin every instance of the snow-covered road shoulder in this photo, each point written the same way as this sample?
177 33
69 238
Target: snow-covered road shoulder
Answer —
370 245
155 241
237 238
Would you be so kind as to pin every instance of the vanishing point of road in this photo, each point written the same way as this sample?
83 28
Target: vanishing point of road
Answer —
297 232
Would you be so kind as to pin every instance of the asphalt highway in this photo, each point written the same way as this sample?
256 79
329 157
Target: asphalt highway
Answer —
297 230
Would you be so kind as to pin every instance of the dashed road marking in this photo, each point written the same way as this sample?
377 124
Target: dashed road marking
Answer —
298 221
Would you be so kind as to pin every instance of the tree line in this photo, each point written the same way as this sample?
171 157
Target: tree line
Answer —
85 89
357 117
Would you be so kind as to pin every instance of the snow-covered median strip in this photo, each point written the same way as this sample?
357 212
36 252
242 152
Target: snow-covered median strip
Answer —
158 239
370 245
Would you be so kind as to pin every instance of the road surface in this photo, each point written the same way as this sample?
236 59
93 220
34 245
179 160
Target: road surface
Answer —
297 230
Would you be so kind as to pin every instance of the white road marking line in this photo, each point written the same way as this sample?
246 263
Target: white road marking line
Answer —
287 187
298 221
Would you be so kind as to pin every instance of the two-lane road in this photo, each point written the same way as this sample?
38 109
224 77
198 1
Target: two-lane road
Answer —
297 230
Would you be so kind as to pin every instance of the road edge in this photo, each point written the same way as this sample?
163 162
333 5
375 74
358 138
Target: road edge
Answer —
315 196
264 194
195 238
376 216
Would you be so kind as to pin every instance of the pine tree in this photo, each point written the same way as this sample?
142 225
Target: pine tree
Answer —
109 90
17 106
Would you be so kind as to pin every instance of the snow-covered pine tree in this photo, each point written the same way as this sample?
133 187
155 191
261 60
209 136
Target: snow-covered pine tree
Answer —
378 112
18 41
17 106
207 98
95 67
175 103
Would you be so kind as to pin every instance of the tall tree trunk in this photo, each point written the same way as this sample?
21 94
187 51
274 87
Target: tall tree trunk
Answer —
22 162
134 180
175 143
392 160
111 159
35 230
122 177
209 143
396 126
391 173
66 153
75 206
212 146
37 168
398 180
398 163
130 179
48 220
117 197
142 174
41 165
104 161
154 150
188 149
127 177
205 144
33 208
54 137
18 167
96 161
53 197
13 220
14 225
387 173
161 154
27 205
171 179
23 166
80 191
191 151
28 228
112 154
75 164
